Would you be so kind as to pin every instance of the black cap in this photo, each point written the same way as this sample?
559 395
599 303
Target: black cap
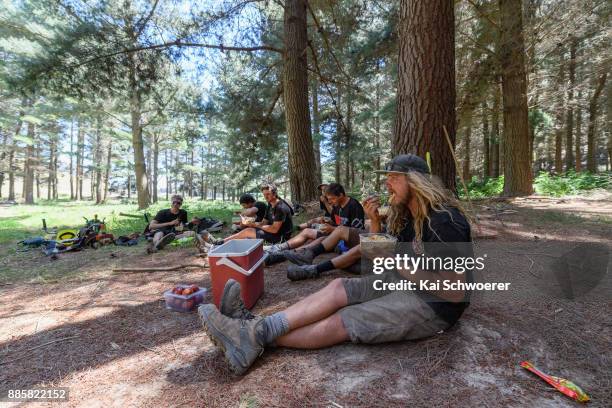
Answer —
406 163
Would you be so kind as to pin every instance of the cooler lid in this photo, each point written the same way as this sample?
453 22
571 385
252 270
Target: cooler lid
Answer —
235 247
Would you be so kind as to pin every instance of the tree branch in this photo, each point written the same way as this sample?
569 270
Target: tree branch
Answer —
179 43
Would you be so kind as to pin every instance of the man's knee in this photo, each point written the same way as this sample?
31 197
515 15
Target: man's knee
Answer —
338 292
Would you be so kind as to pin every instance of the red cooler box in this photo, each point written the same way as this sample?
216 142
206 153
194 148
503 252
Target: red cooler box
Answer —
241 260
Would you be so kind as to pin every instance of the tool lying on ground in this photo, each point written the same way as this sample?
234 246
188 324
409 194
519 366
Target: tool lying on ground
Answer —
566 387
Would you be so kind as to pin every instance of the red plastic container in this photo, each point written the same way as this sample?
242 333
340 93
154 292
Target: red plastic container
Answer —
243 261
184 303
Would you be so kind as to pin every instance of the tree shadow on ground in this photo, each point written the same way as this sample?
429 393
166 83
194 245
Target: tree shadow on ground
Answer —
48 356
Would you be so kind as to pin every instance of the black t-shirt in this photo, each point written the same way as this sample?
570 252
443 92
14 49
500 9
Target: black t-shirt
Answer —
261 210
446 235
280 212
166 215
324 208
351 215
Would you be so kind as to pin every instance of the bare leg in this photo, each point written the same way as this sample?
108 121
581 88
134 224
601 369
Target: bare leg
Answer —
245 233
301 238
312 244
317 306
337 235
323 333
185 235
348 258
157 237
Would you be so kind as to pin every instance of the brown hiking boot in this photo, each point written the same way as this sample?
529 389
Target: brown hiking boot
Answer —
231 304
240 340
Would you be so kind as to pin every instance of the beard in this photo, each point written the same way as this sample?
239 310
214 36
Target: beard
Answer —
400 200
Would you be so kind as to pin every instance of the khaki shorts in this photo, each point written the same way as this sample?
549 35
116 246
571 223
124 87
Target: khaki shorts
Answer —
374 316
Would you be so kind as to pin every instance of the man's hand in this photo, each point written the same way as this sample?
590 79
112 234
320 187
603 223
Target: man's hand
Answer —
370 207
174 222
327 229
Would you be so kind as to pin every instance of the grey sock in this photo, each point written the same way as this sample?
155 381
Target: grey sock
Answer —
275 326
283 246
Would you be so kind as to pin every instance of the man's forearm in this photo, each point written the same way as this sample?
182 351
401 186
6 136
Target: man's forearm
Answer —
375 226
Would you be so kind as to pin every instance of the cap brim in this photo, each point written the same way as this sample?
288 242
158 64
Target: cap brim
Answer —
390 171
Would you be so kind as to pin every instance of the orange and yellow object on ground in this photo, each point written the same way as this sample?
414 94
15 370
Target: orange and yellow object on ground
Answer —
561 384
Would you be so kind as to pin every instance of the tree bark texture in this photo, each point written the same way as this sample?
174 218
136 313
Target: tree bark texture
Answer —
302 167
518 177
426 84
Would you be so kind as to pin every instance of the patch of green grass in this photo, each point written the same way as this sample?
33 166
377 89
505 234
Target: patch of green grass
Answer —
571 183
19 222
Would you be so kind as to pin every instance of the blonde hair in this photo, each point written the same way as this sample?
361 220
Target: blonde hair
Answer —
428 194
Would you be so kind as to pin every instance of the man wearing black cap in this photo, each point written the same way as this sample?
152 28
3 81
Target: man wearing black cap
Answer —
354 309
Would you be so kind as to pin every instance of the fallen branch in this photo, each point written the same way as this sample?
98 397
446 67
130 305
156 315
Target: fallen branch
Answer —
157 269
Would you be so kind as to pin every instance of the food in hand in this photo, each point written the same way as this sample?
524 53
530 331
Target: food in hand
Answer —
384 211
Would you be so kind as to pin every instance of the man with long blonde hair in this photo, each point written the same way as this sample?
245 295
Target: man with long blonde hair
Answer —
357 309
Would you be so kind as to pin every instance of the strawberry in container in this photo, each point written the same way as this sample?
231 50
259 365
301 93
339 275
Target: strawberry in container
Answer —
184 298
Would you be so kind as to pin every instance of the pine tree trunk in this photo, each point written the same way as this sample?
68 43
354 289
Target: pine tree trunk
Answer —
50 167
155 165
466 158
338 141
302 166
36 167
486 165
316 138
559 116
11 153
495 133
192 163
591 148
377 127
518 178
72 192
109 153
98 164
166 164
569 118
578 142
129 185
348 140
202 189
79 161
426 84
28 171
142 184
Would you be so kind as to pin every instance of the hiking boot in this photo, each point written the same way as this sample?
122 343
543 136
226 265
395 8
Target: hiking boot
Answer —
274 258
207 236
303 257
166 239
231 304
301 272
240 340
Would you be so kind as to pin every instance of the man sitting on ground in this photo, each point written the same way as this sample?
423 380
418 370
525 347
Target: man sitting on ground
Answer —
346 212
276 226
252 209
168 224
354 309
324 205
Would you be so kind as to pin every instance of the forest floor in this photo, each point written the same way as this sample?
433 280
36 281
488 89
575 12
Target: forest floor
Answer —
110 340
